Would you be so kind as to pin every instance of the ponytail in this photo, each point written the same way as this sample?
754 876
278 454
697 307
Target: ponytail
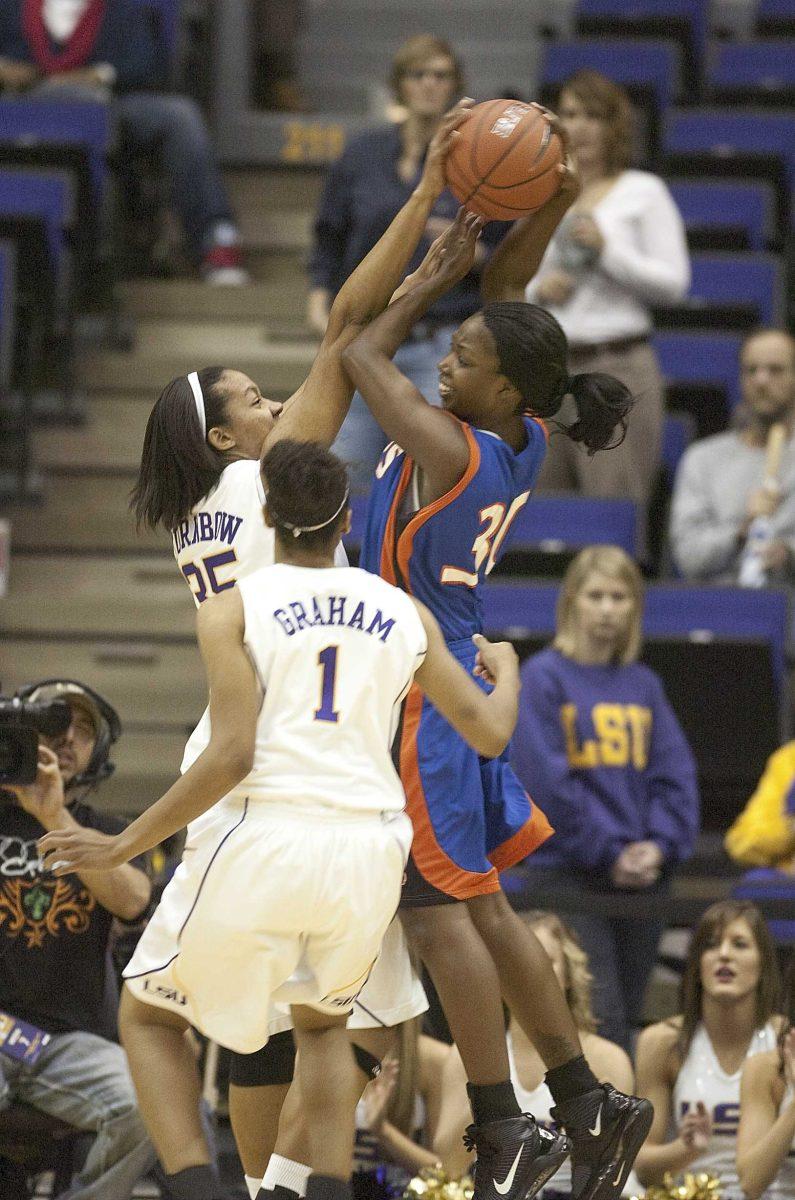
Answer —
178 465
532 351
603 405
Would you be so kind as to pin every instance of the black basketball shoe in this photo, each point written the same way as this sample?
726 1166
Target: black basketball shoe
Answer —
514 1157
607 1130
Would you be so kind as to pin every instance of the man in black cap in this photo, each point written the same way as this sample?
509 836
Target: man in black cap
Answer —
55 973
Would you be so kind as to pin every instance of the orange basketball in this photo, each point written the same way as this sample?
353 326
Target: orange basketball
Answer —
504 164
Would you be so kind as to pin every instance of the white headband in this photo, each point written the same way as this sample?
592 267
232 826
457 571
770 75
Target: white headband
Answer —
297 530
198 396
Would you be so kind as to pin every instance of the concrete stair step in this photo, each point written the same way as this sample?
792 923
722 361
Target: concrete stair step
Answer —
81 512
279 368
192 299
113 596
111 437
274 192
155 686
147 763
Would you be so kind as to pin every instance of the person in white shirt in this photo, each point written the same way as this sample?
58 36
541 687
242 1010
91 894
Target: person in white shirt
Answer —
286 892
690 1066
620 249
766 1137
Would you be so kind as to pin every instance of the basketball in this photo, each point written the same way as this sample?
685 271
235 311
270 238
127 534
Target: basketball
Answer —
504 163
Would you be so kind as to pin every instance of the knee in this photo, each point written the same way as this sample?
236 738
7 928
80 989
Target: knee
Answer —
492 914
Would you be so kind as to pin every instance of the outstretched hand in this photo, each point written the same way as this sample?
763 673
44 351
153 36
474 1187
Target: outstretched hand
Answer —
433 178
450 257
66 850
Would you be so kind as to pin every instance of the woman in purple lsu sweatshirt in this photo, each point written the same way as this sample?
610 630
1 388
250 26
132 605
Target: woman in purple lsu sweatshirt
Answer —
599 748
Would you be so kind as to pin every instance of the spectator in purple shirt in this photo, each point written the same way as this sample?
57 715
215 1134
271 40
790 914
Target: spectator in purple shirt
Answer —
600 750
364 190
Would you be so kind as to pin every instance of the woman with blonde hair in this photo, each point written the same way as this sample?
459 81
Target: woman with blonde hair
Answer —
599 748
690 1066
609 1063
620 250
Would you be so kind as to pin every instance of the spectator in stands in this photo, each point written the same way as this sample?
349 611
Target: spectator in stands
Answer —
55 951
764 833
600 750
620 249
720 487
689 1066
88 47
276 27
364 190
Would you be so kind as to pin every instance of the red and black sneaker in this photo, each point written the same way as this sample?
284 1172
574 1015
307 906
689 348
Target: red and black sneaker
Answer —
515 1157
223 267
607 1130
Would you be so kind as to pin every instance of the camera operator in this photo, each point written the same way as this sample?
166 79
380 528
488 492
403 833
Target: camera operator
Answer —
54 950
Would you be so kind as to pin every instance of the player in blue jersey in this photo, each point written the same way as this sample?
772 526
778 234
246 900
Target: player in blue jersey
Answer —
446 491
199 479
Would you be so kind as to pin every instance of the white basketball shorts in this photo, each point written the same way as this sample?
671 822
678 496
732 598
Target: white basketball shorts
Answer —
270 906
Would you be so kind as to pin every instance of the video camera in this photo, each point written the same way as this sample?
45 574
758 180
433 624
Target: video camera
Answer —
21 724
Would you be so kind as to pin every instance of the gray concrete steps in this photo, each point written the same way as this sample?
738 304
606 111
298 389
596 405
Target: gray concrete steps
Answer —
279 370
112 435
80 512
190 299
152 685
109 596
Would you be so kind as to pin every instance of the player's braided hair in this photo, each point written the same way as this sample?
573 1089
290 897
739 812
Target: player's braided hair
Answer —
532 352
178 464
305 486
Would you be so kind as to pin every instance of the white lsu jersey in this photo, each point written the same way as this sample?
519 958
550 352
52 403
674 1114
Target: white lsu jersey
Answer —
225 538
701 1078
335 650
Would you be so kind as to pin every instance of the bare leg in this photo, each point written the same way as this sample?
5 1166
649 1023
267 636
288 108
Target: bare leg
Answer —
466 979
254 1113
527 980
330 1088
162 1064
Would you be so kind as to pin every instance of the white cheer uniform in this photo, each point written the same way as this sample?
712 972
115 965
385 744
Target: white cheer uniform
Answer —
701 1078
224 540
286 892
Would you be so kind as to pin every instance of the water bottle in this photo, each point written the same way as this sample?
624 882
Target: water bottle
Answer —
752 572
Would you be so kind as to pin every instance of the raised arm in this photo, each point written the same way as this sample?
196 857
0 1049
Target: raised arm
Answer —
767 1126
485 721
655 1059
234 704
316 411
431 436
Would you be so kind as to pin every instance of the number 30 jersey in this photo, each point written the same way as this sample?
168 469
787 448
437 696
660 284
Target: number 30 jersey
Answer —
441 553
335 650
225 538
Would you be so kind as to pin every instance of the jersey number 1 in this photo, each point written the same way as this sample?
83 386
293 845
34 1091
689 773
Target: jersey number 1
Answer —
327 661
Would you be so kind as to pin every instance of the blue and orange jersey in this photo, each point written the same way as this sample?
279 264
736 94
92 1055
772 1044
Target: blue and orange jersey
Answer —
441 553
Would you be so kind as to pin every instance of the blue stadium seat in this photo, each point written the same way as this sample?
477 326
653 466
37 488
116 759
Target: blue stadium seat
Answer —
726 206
569 522
7 311
776 17
755 279
758 71
671 610
701 358
721 136
551 523
84 122
685 20
43 194
167 13
654 64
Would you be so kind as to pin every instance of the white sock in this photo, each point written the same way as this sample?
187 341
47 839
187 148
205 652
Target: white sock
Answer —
253 1186
288 1174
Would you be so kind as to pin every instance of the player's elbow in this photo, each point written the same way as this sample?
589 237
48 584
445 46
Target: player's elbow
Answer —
489 737
234 760
749 1185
